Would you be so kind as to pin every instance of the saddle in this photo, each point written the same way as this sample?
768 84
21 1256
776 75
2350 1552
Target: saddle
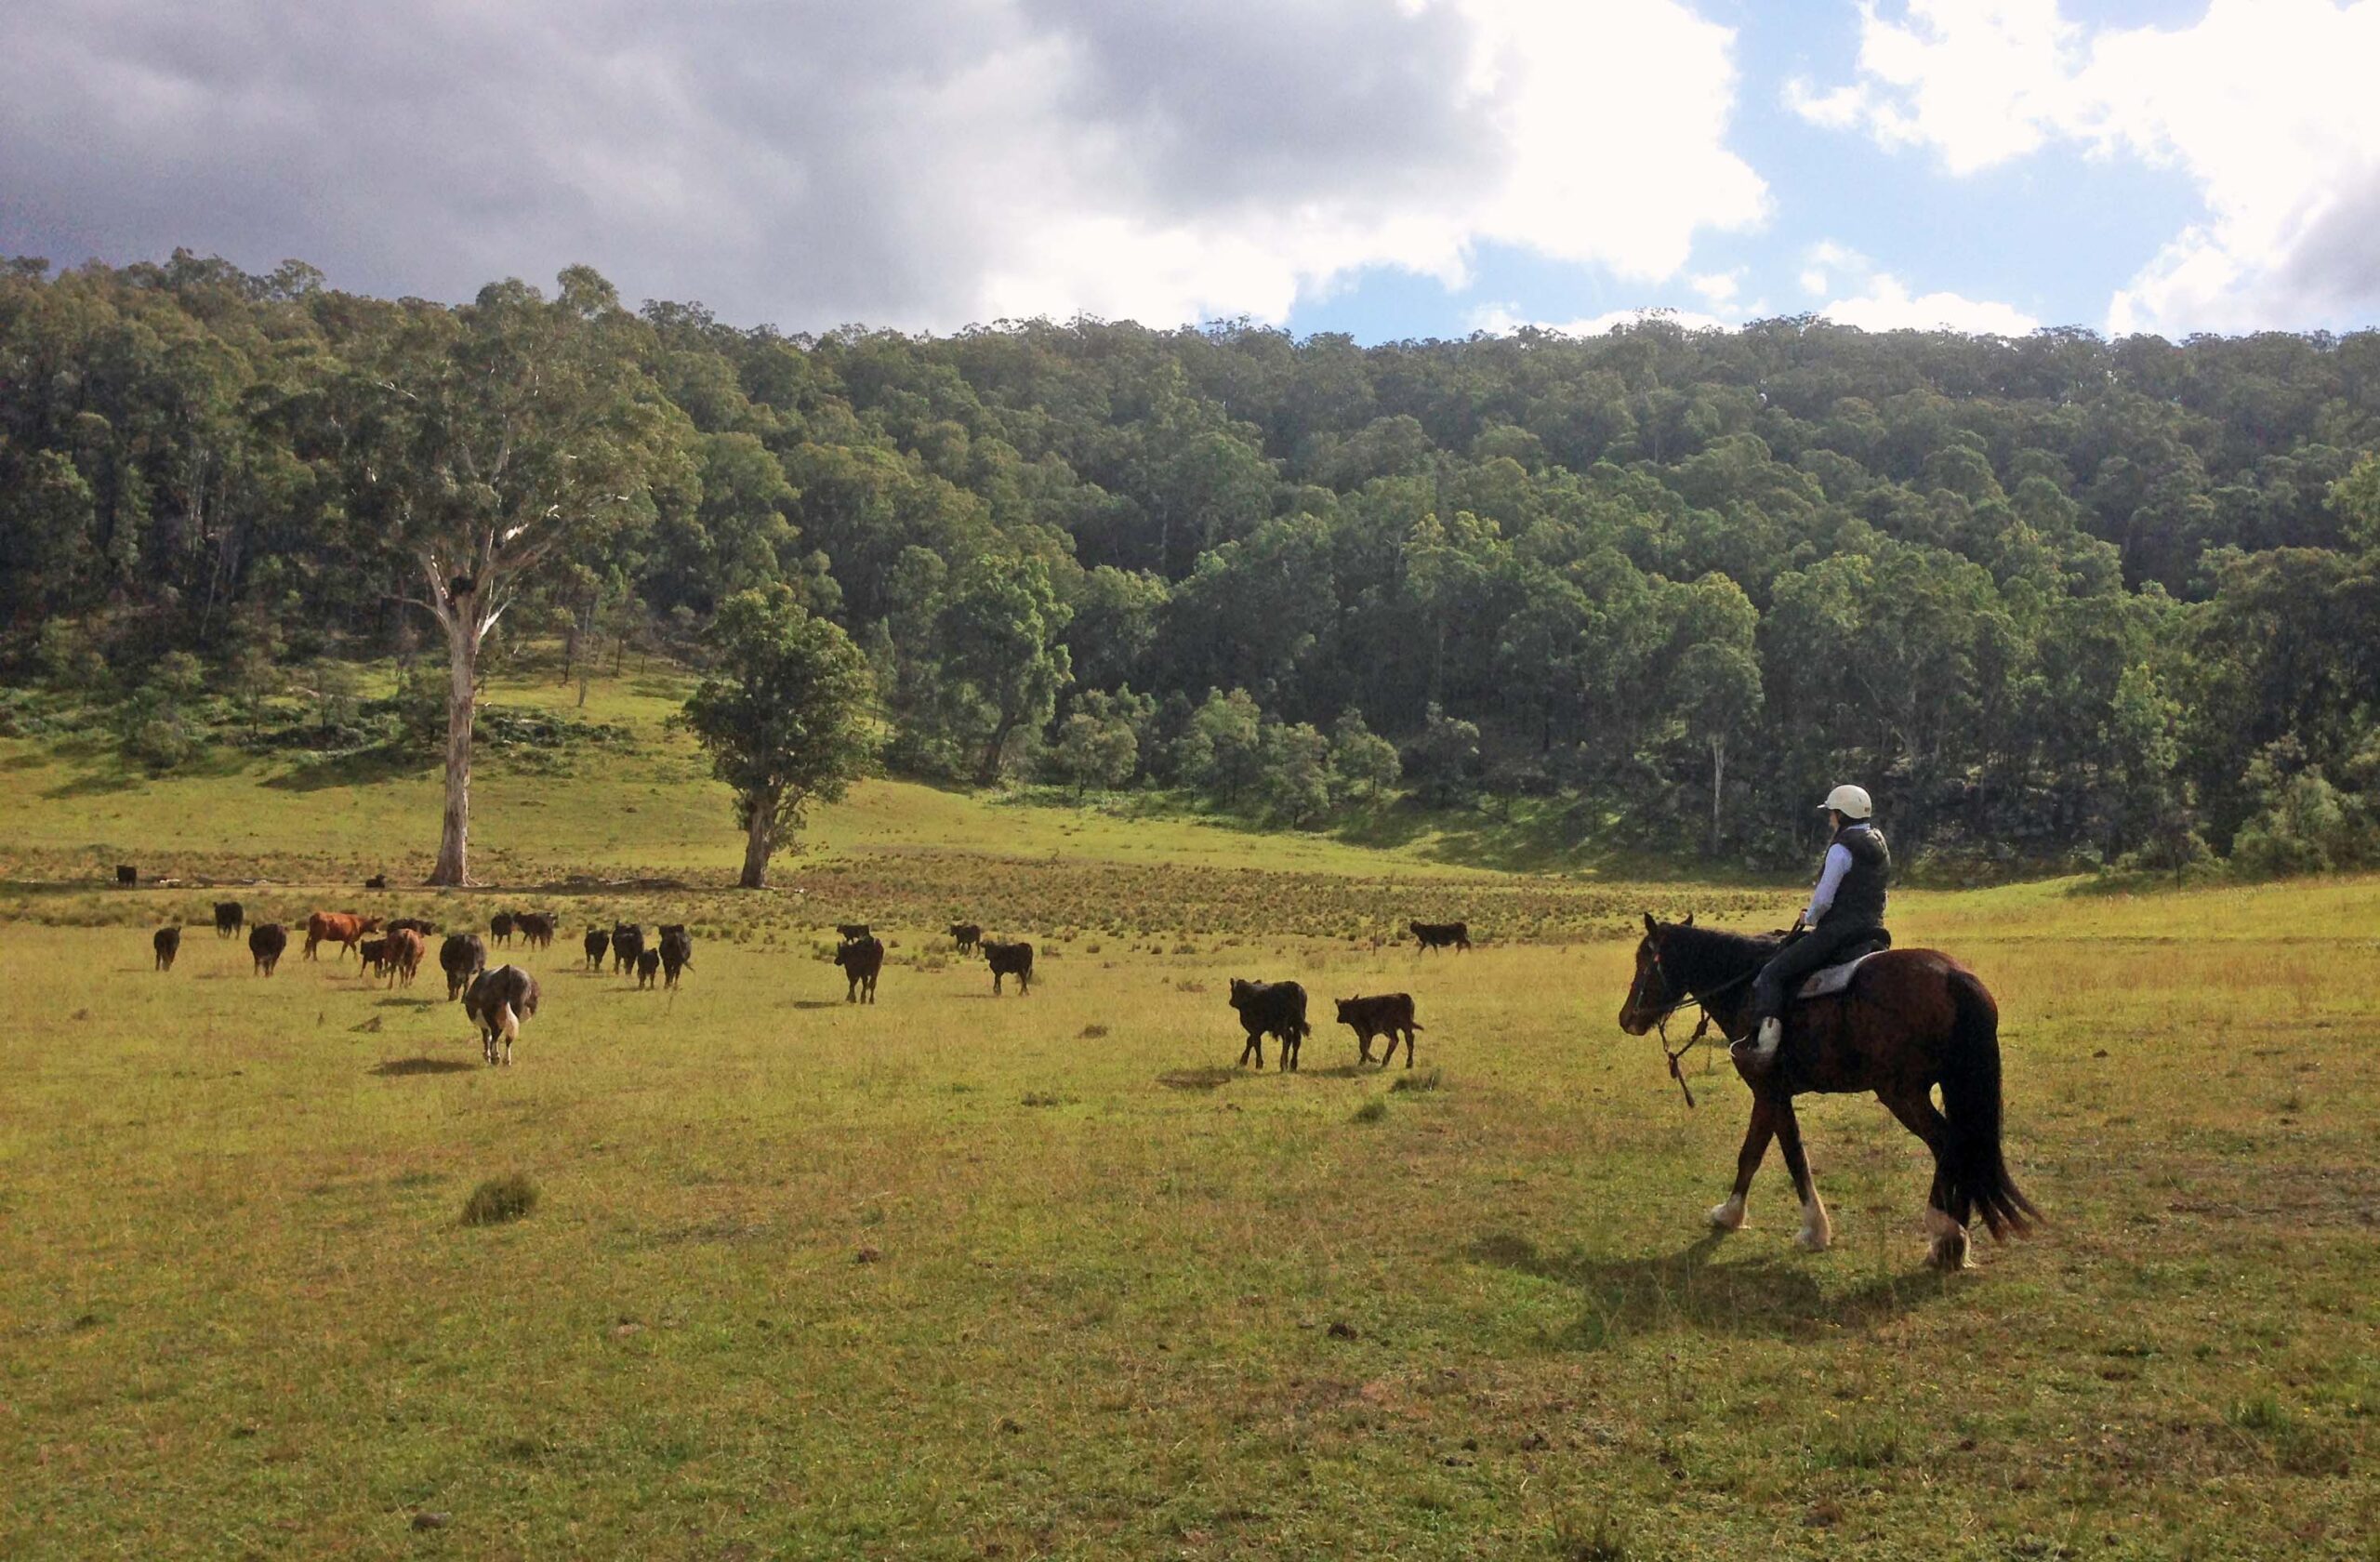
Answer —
1828 980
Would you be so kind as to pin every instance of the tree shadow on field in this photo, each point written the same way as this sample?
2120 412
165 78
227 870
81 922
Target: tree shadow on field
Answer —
1777 1295
97 782
404 1069
362 767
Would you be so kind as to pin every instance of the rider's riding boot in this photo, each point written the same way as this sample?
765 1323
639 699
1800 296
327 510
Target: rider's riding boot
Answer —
1759 1051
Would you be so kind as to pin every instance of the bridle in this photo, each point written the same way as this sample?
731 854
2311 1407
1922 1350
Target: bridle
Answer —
1689 1001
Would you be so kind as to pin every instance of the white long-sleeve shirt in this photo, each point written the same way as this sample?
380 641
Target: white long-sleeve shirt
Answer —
1838 863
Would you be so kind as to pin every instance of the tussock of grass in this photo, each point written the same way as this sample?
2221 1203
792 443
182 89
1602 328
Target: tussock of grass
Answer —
1427 1080
499 1200
1604 1538
1372 1111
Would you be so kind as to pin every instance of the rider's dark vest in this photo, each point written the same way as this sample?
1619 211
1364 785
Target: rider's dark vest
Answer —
1860 899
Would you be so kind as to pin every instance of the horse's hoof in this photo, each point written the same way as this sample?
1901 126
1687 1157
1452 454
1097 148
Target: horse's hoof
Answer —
1816 1241
1950 1253
1728 1217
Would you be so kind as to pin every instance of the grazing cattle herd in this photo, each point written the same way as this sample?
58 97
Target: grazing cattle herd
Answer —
498 1002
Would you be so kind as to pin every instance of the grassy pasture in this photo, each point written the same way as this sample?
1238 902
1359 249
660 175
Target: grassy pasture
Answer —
953 1276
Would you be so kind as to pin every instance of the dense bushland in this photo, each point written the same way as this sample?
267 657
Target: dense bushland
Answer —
2051 598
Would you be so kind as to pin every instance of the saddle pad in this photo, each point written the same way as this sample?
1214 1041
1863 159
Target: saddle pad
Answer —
1830 979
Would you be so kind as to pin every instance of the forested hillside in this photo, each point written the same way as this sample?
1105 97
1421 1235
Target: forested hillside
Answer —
2049 598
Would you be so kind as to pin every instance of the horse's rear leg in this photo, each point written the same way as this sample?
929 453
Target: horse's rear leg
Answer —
1730 1215
1817 1233
1947 1247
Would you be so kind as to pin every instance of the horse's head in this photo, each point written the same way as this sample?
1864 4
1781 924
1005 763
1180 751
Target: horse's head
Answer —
1652 993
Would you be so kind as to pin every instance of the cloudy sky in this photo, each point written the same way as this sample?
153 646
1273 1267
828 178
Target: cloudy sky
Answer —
1385 168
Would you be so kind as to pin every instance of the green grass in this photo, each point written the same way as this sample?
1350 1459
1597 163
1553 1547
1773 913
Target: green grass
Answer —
957 1277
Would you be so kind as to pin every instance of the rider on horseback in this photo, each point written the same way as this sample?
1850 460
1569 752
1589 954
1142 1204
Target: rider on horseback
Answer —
1846 910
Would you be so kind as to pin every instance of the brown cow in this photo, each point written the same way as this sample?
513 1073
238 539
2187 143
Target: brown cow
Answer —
1384 1015
345 927
406 949
537 928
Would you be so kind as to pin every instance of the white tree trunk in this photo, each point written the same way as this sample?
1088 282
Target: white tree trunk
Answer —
1718 787
462 627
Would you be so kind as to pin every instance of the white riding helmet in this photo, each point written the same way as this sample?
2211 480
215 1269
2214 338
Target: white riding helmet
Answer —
1852 803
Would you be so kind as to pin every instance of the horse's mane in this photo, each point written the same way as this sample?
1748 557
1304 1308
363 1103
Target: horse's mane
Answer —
1700 955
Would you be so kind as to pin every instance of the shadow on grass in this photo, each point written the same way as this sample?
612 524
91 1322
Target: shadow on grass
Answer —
817 1004
405 1068
407 1002
1196 1079
365 767
1771 1294
97 782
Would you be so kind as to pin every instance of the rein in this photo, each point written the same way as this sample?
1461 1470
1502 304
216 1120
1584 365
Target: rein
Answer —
1701 1026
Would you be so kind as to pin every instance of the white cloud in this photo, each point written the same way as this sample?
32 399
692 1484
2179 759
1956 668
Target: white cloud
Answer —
1718 288
1877 300
914 163
2267 106
1502 320
1886 305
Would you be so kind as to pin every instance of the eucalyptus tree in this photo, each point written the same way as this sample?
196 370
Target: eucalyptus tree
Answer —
489 446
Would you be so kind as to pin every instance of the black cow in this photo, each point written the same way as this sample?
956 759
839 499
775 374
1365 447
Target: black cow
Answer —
427 930
462 956
498 1002
230 917
597 942
373 953
377 881
1386 1015
537 928
1275 1008
499 927
967 936
126 873
168 944
1442 935
648 965
627 943
265 941
852 930
860 958
1010 959
677 952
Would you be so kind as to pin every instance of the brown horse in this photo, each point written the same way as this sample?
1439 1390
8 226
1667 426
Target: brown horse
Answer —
1910 1020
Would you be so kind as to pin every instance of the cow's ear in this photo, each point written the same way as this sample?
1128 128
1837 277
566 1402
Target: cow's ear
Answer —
1651 927
1690 920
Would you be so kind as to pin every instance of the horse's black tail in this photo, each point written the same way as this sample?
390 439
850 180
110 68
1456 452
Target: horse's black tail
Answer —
1977 1173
